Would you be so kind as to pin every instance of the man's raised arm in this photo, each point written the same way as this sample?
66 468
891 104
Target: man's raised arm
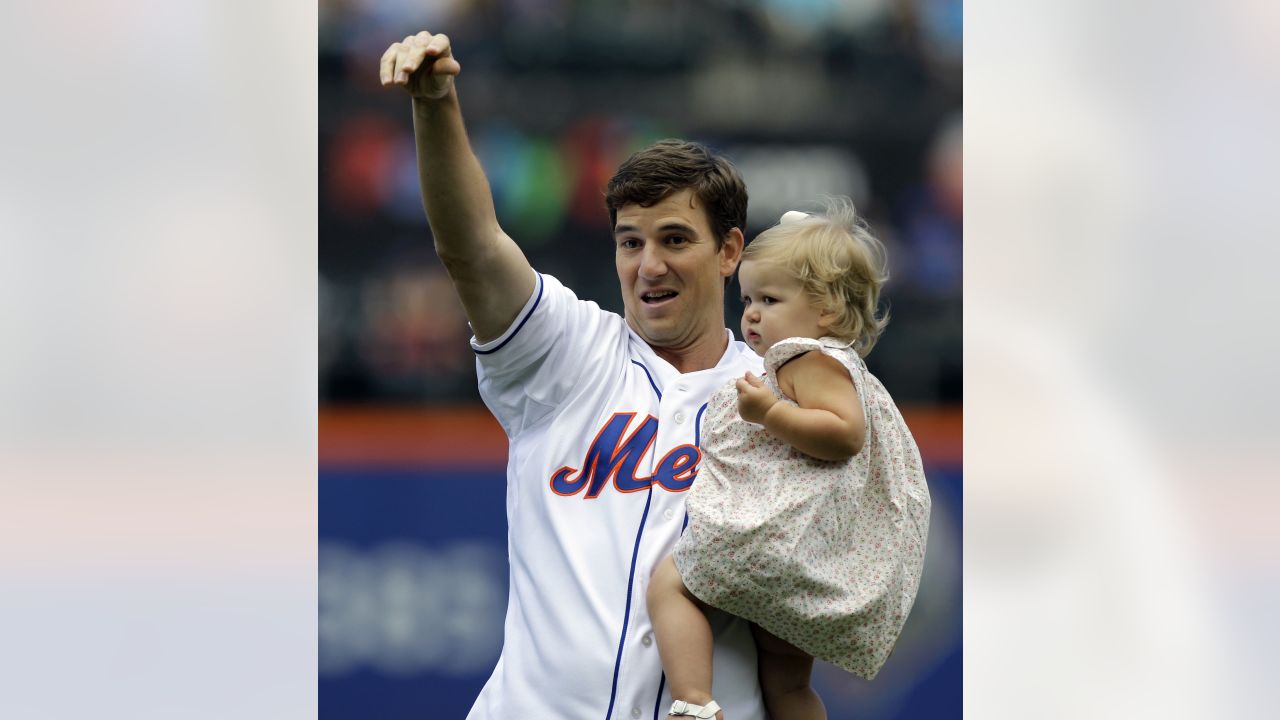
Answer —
490 273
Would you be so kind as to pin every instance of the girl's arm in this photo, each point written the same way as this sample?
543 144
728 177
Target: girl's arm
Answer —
828 424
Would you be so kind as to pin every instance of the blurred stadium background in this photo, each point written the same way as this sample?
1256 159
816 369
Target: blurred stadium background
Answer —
855 97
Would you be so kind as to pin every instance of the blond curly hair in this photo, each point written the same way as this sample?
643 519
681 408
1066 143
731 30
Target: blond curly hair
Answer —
840 264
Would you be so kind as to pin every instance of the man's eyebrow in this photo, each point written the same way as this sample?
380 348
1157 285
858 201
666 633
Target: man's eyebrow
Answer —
683 227
665 227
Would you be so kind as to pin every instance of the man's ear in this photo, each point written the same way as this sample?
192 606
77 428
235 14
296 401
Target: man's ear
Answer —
731 252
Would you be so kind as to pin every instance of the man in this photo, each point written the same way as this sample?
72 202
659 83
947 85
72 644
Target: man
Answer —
602 413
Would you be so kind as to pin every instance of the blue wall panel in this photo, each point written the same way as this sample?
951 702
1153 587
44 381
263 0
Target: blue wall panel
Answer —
413 587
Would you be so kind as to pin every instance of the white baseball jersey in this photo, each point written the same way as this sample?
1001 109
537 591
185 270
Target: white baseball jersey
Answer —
603 445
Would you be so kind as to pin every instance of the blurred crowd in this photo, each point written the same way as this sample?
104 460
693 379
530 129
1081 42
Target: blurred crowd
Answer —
807 97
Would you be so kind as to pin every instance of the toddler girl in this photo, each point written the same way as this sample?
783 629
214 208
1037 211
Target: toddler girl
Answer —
810 512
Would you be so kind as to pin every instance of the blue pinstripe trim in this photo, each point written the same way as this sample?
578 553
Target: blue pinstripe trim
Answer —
697 426
523 320
617 664
697 440
652 384
657 704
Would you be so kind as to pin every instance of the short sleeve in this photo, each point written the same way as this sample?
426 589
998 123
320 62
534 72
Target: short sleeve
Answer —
554 344
784 350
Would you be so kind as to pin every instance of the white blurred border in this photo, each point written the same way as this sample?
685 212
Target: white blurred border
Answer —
157 384
1119 384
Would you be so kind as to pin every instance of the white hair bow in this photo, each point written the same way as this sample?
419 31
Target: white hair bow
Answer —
791 216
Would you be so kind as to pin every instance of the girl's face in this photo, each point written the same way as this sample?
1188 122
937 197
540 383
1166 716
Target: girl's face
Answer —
776 307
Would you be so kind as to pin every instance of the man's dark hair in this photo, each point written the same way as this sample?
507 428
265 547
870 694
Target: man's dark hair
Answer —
669 166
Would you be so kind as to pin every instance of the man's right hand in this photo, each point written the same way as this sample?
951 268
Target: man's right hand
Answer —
422 64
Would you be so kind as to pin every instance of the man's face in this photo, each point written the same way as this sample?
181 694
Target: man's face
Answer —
671 273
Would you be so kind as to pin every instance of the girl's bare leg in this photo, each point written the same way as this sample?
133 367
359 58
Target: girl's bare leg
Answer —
784 679
684 635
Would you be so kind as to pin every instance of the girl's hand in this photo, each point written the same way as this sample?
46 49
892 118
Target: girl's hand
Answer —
754 398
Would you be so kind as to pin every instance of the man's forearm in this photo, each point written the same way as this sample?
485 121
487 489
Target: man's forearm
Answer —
491 274
455 192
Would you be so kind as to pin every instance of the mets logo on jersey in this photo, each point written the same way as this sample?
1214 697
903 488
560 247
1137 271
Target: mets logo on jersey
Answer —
615 457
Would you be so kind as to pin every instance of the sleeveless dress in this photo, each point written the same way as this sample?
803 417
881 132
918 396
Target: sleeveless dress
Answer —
825 555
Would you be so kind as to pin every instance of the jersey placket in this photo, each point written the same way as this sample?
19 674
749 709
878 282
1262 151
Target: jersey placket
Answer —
641 669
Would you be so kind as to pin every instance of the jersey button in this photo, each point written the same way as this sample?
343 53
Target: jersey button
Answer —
646 639
635 712
679 417
668 513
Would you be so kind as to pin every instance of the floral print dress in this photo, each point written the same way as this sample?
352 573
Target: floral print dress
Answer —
825 555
